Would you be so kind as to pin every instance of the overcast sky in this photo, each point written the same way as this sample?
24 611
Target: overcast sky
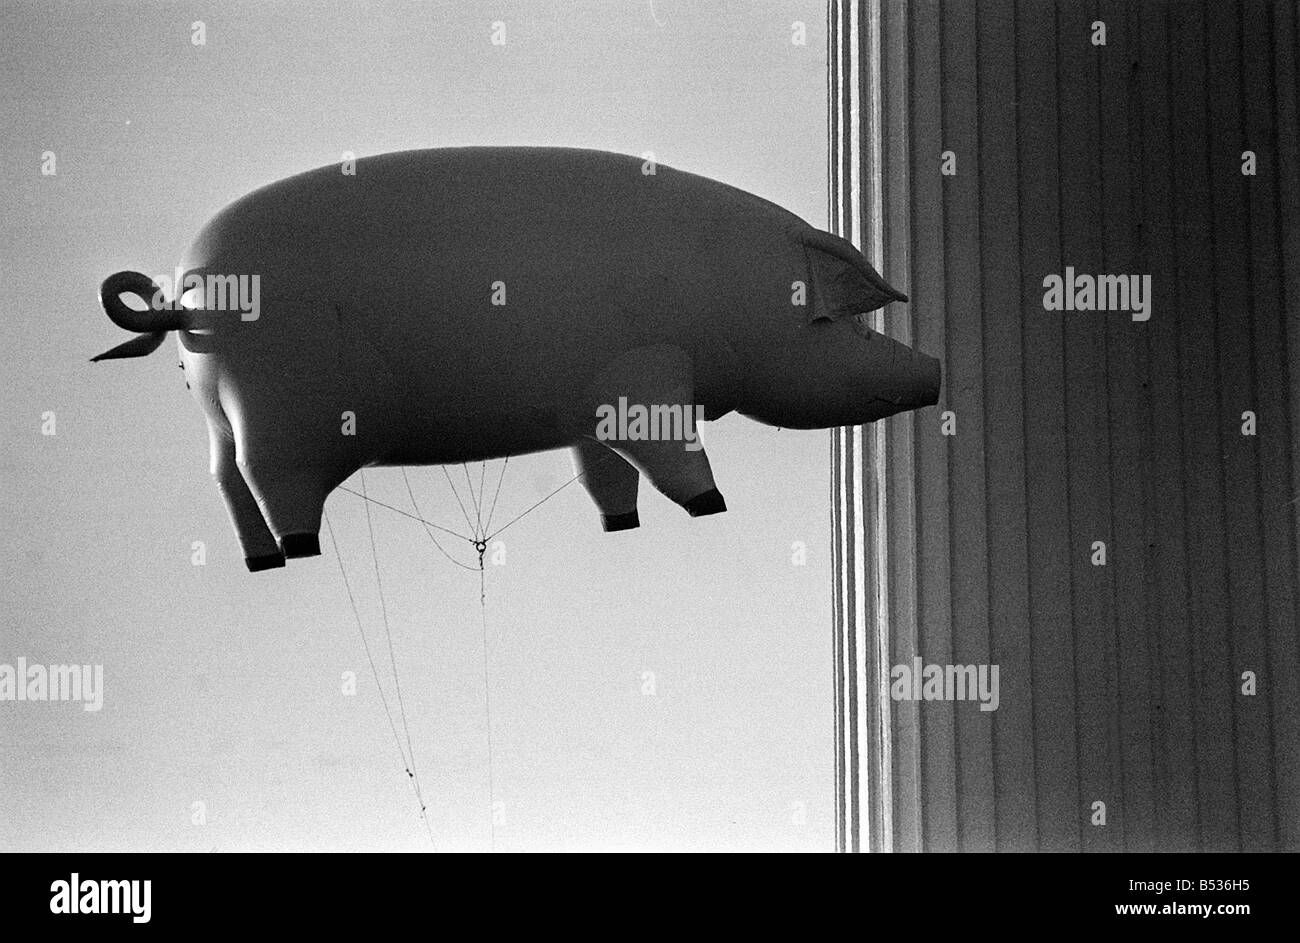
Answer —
224 687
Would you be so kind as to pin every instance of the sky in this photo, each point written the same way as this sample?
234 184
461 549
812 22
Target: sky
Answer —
665 688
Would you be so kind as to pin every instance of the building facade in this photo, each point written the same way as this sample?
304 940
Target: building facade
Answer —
1094 206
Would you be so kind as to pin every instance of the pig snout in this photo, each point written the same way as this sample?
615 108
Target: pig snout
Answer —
840 373
884 376
898 373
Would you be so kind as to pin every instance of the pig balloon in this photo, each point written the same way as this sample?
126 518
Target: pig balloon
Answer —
453 305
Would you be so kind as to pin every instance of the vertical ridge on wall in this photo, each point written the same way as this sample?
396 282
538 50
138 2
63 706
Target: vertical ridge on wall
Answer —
877 451
965 381
1276 453
1052 687
1100 526
927 290
833 69
1177 760
1087 452
900 487
1234 343
1285 36
1117 93
1008 605
848 668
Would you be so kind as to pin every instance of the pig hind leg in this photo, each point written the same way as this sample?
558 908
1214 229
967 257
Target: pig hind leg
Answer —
290 500
290 490
261 552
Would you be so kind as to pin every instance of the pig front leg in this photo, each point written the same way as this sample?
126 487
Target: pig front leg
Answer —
646 377
261 552
683 477
611 482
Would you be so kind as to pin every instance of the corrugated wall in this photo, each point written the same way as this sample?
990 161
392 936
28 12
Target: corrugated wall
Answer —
1119 683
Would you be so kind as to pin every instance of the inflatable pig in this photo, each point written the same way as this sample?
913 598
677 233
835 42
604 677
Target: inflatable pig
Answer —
445 306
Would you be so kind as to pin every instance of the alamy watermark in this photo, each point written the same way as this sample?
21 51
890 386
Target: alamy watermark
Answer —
922 682
1071 292
210 291
76 896
24 682
655 423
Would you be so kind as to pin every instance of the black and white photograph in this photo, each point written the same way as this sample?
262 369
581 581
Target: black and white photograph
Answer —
650 426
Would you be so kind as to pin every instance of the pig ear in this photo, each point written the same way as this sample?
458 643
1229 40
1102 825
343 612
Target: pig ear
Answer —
843 282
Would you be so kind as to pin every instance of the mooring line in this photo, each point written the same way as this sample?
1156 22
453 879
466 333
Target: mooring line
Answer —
482 477
420 516
492 510
392 656
535 506
465 514
464 466
480 542
487 700
407 514
383 698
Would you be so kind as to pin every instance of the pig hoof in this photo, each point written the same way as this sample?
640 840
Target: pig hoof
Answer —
267 561
710 502
626 521
300 545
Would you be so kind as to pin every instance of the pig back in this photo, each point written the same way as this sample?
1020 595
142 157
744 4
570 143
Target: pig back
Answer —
491 278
